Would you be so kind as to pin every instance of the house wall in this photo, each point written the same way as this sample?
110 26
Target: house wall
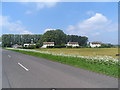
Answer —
95 45
16 46
26 45
73 45
45 45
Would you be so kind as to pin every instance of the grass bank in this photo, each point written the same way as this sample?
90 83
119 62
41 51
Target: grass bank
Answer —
100 67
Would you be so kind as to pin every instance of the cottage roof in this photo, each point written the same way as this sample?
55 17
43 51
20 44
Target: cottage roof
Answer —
72 42
96 43
48 42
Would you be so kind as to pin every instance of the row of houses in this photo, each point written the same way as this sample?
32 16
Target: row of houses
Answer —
73 44
46 44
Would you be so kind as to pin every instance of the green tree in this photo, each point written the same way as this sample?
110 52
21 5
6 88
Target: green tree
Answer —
0 39
57 36
75 38
10 39
106 45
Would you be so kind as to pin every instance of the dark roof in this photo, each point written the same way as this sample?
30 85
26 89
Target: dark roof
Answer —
48 42
96 42
72 42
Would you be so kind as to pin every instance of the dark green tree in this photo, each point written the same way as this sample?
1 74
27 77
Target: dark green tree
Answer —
82 40
57 36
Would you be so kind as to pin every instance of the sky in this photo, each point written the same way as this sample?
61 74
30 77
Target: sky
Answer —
96 20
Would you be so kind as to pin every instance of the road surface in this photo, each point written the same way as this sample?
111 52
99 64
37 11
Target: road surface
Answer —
0 68
24 71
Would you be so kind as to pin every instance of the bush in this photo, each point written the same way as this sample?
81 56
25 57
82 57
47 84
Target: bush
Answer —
69 46
30 47
76 47
59 46
106 46
37 45
50 46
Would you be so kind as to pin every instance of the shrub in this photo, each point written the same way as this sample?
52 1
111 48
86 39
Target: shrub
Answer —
106 46
30 47
69 46
50 46
59 46
76 47
37 45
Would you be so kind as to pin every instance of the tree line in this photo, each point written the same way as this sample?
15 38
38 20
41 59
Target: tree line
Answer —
56 36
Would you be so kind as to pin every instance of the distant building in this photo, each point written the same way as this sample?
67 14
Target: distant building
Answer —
73 44
95 44
16 46
27 45
45 44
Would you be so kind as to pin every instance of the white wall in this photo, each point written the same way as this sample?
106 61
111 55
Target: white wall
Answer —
45 46
95 45
26 45
73 45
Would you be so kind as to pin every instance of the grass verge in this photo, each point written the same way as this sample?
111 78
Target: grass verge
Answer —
111 70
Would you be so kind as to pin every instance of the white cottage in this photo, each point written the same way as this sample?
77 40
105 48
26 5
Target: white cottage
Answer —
27 45
16 46
73 44
45 44
95 44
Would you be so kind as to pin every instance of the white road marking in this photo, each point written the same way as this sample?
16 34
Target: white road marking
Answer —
9 56
23 67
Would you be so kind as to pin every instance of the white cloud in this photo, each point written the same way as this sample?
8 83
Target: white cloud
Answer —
42 5
92 26
14 27
26 32
96 22
37 6
112 27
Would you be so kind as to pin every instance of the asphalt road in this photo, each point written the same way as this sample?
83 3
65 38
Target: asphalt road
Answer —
24 71
0 68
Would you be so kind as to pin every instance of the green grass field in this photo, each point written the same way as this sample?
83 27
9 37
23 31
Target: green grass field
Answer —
85 51
96 66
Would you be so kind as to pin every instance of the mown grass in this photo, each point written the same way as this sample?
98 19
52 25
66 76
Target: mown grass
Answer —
84 51
111 70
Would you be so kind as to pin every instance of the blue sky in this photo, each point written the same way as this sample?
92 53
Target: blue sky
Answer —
98 21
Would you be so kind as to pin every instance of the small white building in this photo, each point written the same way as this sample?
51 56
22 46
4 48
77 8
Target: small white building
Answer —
95 44
16 46
73 44
45 44
27 45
